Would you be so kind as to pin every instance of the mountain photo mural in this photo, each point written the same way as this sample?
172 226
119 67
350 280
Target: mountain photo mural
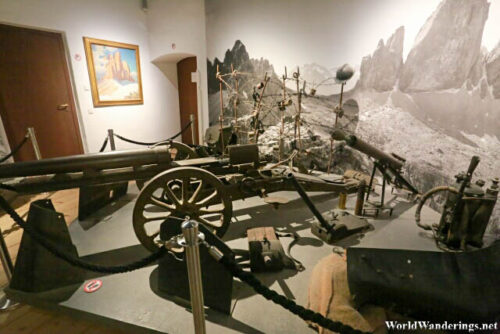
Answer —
427 82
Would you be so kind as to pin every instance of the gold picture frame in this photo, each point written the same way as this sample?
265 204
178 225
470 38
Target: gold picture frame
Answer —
114 71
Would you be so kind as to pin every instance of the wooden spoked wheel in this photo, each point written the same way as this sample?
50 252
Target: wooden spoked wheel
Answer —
179 193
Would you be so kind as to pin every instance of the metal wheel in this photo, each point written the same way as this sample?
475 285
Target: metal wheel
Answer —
177 193
178 151
436 199
181 151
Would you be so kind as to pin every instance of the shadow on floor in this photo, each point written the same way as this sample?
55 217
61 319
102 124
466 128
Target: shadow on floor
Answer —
104 214
290 217
214 316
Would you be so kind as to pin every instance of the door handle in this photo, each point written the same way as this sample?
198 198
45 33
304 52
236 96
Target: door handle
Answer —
63 106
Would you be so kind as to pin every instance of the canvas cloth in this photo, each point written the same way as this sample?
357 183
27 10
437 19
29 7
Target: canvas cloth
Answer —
330 296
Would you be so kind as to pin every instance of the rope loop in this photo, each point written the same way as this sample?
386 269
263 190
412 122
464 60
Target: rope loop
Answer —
290 305
56 251
227 261
15 150
104 144
131 141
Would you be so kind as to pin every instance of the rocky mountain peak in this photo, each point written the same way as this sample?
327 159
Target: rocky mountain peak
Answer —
236 56
446 48
493 70
117 69
239 47
380 71
396 41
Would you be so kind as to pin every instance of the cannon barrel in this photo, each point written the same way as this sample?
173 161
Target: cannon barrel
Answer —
368 149
82 162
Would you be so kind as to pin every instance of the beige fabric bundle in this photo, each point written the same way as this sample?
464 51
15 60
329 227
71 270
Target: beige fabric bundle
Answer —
329 295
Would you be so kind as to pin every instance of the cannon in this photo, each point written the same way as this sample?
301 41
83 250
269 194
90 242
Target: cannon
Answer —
202 188
389 165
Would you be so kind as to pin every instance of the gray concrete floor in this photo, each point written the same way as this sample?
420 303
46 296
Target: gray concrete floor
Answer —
127 300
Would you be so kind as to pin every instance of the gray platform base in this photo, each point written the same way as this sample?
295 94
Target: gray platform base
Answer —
129 301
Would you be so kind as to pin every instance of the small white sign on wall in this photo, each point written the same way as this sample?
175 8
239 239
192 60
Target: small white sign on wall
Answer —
194 77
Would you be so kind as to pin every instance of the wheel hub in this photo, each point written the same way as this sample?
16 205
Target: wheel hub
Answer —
186 209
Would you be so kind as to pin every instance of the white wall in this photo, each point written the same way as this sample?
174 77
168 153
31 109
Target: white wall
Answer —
181 22
115 20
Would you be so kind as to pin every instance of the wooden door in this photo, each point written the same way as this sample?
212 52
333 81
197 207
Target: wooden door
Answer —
188 97
35 91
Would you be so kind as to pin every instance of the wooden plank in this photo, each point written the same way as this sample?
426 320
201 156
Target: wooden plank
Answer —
8 317
27 319
27 323
62 325
261 233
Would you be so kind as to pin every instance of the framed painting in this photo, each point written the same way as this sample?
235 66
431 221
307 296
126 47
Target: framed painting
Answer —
115 72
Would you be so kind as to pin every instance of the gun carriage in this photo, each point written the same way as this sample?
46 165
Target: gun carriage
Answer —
202 188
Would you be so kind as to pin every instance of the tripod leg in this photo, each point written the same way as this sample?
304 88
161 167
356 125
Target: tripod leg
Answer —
371 184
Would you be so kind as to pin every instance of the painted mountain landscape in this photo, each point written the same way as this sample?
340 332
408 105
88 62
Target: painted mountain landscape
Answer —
116 73
436 108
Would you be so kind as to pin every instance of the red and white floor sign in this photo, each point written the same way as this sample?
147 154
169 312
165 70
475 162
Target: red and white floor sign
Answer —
92 286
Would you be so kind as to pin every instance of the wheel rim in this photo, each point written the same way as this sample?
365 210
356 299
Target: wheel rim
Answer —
177 193
178 151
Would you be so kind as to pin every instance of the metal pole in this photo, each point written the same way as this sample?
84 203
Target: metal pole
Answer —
111 139
382 197
34 142
191 119
330 156
360 199
5 303
5 258
282 117
221 114
342 201
299 110
370 186
190 233
235 104
308 201
258 108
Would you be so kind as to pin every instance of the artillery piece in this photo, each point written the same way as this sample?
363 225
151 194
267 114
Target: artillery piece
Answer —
202 188
389 165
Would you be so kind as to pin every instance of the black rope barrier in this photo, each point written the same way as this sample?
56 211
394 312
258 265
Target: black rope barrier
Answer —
104 144
14 151
56 251
131 141
290 305
228 262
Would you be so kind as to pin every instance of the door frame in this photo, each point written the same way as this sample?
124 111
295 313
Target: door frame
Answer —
70 82
171 59
196 83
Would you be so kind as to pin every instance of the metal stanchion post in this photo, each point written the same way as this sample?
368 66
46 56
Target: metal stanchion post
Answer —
342 201
193 136
111 139
190 233
360 199
34 142
5 303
